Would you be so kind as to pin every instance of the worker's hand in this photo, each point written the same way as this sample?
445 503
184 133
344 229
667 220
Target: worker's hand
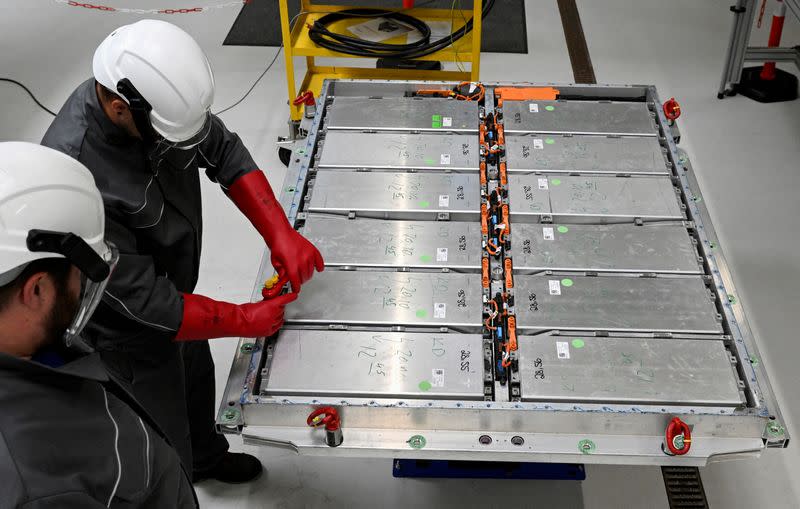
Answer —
264 318
294 257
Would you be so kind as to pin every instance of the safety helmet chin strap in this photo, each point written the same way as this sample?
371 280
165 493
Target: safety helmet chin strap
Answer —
140 110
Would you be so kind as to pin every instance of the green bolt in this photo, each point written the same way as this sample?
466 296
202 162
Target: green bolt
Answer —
586 446
682 159
248 348
230 414
731 299
416 442
775 429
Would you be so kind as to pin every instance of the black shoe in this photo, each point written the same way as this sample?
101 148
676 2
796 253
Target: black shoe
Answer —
233 468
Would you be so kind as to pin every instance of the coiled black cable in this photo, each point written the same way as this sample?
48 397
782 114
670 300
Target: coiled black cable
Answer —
340 43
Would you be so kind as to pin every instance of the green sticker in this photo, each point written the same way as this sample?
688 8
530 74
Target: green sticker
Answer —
549 141
436 124
430 161
754 361
549 108
416 442
421 313
424 204
425 385
555 182
563 229
425 258
578 343
436 118
566 282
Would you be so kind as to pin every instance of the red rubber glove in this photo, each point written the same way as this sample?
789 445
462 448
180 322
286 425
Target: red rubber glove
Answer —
294 257
205 318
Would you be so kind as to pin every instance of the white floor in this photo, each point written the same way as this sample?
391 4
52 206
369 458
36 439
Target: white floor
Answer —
746 155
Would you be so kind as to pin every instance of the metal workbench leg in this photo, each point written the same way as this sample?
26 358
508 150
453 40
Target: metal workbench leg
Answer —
743 16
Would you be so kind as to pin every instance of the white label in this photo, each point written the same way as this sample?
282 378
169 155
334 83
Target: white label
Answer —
441 254
447 121
439 309
444 200
437 378
543 183
444 159
538 144
555 287
547 231
562 347
533 107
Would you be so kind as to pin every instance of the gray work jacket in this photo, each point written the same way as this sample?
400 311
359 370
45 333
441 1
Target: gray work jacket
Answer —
153 215
71 438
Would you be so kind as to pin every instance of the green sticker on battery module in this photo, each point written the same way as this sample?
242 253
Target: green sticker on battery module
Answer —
436 121
549 141
424 204
578 343
421 313
555 182
549 108
425 258
425 385
416 442
566 282
563 229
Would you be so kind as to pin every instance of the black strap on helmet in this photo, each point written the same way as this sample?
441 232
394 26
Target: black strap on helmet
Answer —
73 248
140 109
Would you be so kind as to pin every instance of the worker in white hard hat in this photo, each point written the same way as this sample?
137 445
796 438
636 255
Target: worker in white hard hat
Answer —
70 437
143 127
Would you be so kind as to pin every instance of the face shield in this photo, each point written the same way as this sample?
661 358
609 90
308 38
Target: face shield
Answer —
95 272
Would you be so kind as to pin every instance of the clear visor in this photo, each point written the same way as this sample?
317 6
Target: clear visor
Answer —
199 137
91 295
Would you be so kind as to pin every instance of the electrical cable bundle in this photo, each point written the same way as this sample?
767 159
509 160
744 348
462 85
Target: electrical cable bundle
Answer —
340 43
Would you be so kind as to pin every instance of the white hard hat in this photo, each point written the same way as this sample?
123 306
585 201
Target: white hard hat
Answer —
167 68
51 208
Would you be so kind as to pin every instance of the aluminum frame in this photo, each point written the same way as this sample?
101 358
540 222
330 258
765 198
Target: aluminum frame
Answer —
588 433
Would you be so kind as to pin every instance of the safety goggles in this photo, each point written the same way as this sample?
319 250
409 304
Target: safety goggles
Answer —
95 271
140 111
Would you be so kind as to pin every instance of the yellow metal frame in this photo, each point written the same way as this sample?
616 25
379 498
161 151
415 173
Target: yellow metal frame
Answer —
296 43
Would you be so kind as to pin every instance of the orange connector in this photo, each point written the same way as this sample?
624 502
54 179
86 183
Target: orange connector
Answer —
512 333
482 134
527 93
506 220
485 272
503 176
501 139
509 278
484 219
483 174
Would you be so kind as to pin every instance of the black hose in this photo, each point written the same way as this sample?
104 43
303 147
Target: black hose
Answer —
341 43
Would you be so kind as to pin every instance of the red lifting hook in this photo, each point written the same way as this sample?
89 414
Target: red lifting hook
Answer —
330 418
672 110
678 437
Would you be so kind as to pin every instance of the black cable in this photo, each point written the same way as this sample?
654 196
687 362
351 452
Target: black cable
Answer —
42 106
220 112
341 43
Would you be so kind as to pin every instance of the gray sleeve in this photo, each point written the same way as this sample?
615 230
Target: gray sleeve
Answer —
13 492
71 500
135 290
224 155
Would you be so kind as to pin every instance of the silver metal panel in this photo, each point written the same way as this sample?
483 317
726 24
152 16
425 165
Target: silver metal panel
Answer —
652 247
579 117
376 364
584 154
389 298
402 114
396 195
398 151
629 304
627 370
363 242
593 199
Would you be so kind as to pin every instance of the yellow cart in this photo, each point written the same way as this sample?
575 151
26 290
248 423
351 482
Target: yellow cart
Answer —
296 43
